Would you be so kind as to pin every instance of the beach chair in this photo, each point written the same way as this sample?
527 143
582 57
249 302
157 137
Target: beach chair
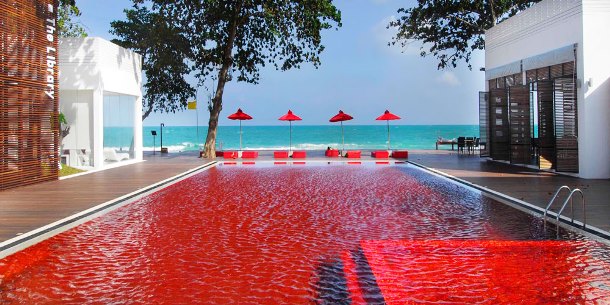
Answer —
353 154
380 154
332 153
249 154
111 155
280 154
230 154
299 154
400 154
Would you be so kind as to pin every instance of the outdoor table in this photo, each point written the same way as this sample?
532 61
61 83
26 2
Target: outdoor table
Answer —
445 143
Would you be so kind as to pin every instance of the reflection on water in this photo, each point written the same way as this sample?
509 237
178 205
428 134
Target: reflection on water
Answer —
300 235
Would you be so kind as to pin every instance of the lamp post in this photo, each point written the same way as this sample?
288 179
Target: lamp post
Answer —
154 134
163 149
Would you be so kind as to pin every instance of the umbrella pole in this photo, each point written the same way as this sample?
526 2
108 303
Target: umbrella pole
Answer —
342 139
290 147
239 135
388 134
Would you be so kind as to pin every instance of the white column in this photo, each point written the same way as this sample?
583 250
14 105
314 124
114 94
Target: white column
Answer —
137 129
98 128
594 96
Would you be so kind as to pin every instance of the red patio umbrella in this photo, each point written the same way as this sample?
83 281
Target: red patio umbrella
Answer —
290 117
388 116
340 117
239 115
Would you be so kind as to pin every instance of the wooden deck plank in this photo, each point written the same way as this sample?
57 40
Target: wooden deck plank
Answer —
30 207
522 183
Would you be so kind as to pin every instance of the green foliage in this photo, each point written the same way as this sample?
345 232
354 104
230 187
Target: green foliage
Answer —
166 54
66 13
221 39
451 30
68 170
62 118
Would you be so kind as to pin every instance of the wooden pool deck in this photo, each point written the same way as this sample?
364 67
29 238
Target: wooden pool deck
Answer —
27 208
31 207
529 185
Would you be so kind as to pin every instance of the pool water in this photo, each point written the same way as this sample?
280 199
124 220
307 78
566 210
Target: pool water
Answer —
310 235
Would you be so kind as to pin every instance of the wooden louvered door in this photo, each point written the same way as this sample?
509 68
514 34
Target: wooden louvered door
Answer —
520 125
499 126
546 125
484 124
566 125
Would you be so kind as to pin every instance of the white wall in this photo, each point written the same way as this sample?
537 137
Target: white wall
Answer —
96 66
594 109
546 26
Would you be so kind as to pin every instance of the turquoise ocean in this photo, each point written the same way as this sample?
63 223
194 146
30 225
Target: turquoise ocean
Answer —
307 137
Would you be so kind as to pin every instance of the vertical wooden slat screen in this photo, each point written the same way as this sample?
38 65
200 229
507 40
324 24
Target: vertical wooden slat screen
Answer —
499 127
484 124
546 125
566 129
520 128
28 93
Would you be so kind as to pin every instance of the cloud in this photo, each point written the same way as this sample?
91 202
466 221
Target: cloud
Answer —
448 78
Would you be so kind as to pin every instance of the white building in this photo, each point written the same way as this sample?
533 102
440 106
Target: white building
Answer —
529 63
101 97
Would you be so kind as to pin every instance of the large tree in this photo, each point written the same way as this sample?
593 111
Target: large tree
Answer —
167 58
234 39
451 30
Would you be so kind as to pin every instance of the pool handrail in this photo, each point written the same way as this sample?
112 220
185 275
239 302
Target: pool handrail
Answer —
582 198
548 207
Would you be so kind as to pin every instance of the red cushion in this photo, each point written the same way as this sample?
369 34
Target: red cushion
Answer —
402 154
299 154
230 154
218 153
380 154
353 154
332 153
280 154
249 154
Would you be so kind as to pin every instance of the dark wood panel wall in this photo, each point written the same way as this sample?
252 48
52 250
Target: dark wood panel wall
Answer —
509 117
29 124
499 135
484 124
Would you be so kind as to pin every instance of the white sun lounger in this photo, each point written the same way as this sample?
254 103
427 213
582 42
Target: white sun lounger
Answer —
111 155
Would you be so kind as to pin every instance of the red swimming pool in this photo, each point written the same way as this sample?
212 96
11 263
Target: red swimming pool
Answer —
310 235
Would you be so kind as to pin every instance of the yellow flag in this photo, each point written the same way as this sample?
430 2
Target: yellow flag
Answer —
192 105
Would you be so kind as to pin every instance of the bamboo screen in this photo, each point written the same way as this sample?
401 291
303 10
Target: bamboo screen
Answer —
28 92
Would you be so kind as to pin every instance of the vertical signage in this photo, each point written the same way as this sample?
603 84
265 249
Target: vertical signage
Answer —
51 51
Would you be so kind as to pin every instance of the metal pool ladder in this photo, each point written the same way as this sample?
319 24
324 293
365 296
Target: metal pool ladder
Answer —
565 203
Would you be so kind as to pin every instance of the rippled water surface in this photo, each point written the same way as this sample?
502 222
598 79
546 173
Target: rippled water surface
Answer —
314 234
